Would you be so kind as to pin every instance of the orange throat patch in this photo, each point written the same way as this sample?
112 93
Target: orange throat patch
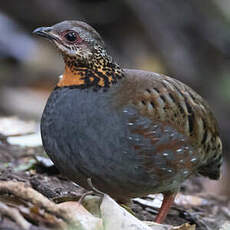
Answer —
85 77
70 78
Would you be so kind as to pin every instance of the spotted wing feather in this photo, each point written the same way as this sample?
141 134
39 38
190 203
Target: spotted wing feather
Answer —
162 150
170 104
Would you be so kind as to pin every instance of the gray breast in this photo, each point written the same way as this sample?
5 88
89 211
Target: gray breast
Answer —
86 137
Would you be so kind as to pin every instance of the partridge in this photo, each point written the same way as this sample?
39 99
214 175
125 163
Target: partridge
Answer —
132 132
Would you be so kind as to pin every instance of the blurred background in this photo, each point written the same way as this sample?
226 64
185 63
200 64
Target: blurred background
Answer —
188 40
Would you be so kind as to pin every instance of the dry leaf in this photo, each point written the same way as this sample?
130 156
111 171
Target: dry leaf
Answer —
81 218
12 126
188 201
32 140
185 227
225 226
117 218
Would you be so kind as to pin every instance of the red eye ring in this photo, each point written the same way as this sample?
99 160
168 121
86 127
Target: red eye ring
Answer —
71 36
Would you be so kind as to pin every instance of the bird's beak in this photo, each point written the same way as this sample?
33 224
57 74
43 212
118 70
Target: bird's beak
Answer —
46 32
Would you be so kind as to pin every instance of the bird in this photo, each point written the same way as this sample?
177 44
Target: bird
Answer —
131 132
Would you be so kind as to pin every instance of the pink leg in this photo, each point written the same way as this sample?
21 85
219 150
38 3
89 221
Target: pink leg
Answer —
166 204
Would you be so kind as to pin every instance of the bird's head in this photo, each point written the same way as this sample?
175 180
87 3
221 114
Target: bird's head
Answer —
74 39
83 50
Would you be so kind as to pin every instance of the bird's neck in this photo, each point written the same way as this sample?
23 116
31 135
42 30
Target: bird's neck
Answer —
99 72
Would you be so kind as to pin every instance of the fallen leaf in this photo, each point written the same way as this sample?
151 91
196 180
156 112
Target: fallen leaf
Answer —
81 218
44 161
117 218
185 227
32 140
225 226
13 126
188 201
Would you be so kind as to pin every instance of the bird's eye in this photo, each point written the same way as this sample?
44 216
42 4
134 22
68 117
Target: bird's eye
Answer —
71 36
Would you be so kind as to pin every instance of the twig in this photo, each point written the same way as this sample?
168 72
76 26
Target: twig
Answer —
15 215
64 214
25 192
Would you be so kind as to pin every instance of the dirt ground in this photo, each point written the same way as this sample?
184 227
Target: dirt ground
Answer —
193 205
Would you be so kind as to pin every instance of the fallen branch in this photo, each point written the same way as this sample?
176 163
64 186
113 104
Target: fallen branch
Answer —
15 215
59 215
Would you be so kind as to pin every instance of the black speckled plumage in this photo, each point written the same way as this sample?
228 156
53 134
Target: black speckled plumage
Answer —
132 132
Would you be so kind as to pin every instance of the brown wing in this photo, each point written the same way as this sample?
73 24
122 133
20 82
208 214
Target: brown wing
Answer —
171 103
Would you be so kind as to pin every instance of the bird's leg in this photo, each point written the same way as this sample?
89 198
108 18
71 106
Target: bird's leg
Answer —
93 191
165 206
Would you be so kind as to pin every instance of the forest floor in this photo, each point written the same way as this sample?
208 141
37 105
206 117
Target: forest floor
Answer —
29 167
